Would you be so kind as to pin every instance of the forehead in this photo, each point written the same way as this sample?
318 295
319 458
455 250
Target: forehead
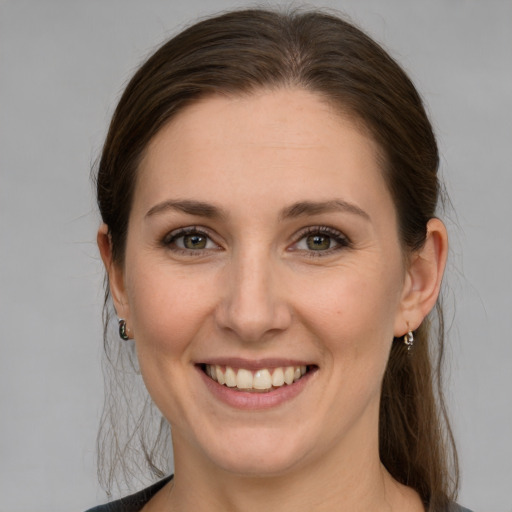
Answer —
284 144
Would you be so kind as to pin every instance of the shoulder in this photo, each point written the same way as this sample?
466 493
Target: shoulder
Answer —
134 502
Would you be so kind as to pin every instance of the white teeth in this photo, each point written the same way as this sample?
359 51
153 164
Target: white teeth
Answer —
278 377
289 374
220 375
230 376
264 379
244 379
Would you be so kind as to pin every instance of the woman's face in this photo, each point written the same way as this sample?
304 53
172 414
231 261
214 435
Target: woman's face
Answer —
263 243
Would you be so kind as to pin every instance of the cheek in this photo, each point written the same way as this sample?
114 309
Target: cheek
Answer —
357 300
353 313
167 312
167 307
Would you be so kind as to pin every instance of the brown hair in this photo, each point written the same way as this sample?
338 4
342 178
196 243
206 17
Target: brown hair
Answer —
241 51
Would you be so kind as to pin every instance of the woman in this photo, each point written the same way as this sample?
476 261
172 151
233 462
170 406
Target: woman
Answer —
268 190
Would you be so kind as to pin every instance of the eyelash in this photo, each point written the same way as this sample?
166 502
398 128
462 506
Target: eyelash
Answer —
342 241
169 241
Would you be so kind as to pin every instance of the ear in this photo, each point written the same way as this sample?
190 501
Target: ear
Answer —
423 279
115 273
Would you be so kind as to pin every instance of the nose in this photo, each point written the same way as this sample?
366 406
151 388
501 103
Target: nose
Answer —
254 304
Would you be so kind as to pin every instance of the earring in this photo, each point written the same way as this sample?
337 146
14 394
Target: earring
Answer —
409 340
122 330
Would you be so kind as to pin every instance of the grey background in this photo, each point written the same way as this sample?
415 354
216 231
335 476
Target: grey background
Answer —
62 67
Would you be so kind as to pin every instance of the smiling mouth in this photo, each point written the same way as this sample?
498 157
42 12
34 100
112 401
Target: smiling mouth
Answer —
258 381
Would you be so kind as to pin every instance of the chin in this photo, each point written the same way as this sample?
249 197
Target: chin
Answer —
258 453
258 466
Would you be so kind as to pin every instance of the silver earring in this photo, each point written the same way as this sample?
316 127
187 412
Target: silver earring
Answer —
122 330
409 340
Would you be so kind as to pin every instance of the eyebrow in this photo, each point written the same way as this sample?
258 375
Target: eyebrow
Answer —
197 208
298 209
302 208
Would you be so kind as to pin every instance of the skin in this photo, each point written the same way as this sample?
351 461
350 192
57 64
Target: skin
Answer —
257 290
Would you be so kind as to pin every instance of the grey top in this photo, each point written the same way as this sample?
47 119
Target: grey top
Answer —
135 502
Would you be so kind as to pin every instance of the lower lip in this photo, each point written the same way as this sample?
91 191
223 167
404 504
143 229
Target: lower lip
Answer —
255 401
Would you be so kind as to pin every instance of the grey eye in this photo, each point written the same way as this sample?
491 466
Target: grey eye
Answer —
194 241
190 240
318 242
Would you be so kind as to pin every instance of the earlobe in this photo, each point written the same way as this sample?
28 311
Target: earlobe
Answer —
114 272
423 279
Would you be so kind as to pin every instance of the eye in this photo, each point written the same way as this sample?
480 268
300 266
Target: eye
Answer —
196 241
320 239
318 242
189 239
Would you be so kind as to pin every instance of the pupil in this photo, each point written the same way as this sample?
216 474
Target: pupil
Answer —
318 242
195 242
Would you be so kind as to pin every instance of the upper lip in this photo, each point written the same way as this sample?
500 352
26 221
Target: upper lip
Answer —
254 364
